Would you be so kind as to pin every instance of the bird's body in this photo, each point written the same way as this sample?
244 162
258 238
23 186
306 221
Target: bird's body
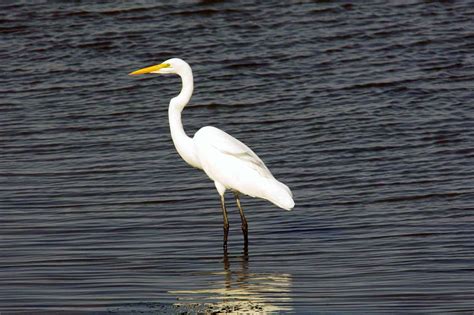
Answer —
232 165
227 161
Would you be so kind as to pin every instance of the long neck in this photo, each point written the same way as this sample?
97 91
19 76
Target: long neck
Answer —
183 144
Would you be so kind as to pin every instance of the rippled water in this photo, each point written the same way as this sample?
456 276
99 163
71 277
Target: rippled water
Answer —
364 110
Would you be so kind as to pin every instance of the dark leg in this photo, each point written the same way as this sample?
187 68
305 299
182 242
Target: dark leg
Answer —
226 221
245 226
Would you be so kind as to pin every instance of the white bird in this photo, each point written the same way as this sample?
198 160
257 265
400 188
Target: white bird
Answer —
227 161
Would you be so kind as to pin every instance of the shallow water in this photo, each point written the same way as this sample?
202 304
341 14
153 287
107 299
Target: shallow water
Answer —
364 110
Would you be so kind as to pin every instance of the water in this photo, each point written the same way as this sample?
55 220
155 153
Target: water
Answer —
363 109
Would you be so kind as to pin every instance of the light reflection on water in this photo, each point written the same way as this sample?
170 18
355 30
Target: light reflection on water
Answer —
241 291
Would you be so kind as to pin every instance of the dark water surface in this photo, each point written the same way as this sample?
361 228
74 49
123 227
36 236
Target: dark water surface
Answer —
365 110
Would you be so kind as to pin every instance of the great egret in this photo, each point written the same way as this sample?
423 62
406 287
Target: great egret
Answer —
227 161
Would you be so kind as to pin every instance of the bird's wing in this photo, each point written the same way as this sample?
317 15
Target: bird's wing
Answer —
230 146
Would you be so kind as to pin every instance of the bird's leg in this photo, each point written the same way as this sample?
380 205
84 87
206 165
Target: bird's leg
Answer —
226 221
245 226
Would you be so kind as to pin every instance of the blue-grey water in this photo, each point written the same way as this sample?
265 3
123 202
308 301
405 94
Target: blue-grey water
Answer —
365 109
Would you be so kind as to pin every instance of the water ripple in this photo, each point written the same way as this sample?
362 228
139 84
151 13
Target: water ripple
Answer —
362 109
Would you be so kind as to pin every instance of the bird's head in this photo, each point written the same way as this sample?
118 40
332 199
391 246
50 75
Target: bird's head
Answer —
173 65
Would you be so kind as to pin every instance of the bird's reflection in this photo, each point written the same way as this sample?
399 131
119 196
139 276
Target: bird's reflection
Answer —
239 291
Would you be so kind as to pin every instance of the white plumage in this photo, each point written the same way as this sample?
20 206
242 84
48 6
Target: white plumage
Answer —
235 166
228 162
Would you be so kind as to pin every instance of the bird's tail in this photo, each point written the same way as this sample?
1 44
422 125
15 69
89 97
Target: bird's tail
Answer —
279 194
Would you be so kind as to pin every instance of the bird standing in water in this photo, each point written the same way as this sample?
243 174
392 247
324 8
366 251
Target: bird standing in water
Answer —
227 161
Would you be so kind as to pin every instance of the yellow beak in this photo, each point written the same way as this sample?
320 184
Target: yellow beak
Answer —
150 69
